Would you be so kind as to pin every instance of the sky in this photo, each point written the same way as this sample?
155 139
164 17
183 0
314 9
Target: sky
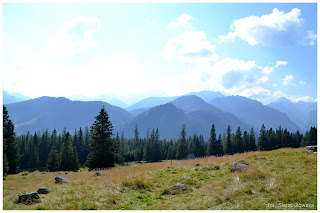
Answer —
260 51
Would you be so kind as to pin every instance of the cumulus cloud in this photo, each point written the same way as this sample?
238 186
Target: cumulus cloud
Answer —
192 47
182 21
279 63
275 29
279 94
75 36
287 80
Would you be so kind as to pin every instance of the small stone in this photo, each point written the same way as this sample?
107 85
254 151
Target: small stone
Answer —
178 186
66 173
62 180
98 173
263 158
43 190
184 179
197 164
43 173
239 166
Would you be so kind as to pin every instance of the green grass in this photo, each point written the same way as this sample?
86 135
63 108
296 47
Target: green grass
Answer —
286 179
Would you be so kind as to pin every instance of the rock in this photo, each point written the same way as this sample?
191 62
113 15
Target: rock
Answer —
66 173
242 161
59 173
239 166
98 173
264 158
43 173
43 190
197 164
211 164
311 148
29 197
62 180
309 151
184 179
178 186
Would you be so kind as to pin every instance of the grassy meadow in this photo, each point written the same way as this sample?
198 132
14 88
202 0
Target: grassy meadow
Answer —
286 179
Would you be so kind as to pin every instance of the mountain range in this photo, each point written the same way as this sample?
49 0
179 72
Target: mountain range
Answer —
198 111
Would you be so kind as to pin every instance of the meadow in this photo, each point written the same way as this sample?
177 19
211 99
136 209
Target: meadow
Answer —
285 179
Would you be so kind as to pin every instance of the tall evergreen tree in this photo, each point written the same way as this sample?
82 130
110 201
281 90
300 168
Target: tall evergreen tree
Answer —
102 147
182 151
67 158
252 141
262 141
238 141
53 160
229 145
246 142
211 149
11 154
218 147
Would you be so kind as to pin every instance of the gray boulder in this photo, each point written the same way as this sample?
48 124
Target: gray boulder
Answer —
61 180
29 197
43 190
98 173
178 186
311 149
239 166
263 158
43 173
184 179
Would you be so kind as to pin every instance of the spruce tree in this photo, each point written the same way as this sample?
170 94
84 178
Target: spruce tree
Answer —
238 140
212 141
252 141
53 160
229 145
262 141
246 142
182 151
67 158
102 147
10 147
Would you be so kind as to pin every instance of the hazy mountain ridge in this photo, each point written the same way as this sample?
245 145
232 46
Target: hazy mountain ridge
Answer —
297 112
198 115
9 98
48 112
254 112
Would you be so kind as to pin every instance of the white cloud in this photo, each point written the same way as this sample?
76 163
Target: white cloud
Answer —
279 63
302 82
256 93
192 47
279 94
182 21
75 36
287 80
275 29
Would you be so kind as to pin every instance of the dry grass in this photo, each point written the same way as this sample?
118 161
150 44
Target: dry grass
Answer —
286 176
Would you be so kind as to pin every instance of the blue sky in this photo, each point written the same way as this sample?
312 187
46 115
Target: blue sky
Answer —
260 51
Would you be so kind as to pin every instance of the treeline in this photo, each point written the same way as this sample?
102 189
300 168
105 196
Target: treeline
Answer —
99 148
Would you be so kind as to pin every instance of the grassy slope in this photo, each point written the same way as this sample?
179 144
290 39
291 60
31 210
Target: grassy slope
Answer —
287 176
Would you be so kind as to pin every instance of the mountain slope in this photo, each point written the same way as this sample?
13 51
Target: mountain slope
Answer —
191 103
48 112
297 112
9 98
254 112
169 120
147 103
207 95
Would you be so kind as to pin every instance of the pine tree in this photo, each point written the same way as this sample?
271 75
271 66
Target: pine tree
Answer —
246 141
229 145
53 160
238 140
102 147
212 141
252 141
262 141
75 156
218 147
67 159
182 151
10 146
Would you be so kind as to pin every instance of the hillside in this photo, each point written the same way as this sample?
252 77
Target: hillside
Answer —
254 113
145 186
191 103
169 120
297 112
49 113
